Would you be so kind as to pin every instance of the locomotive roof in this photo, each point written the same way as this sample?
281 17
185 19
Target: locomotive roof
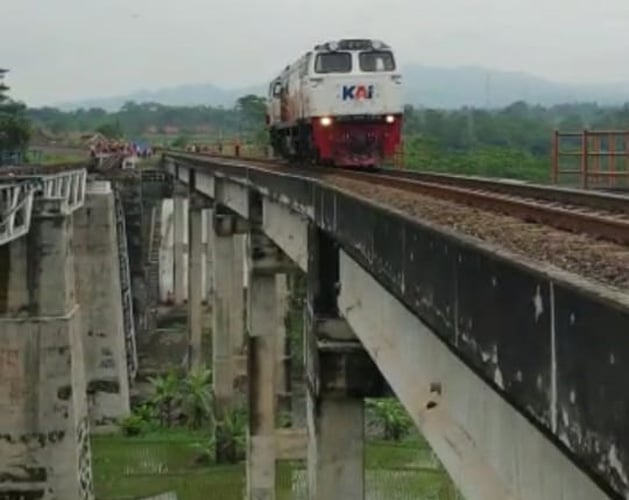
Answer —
343 44
352 44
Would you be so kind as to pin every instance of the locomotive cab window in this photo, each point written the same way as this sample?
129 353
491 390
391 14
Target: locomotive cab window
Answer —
376 60
333 62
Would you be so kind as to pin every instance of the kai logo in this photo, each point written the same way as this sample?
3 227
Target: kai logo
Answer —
358 92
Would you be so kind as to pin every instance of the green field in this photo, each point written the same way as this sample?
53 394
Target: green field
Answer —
129 468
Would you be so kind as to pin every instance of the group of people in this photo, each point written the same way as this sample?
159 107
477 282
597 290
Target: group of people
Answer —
122 148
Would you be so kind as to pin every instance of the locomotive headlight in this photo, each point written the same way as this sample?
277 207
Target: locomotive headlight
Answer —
326 121
390 118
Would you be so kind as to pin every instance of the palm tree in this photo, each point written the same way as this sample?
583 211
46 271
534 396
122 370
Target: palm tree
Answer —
231 437
166 390
198 398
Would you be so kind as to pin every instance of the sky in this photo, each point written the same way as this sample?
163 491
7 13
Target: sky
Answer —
66 50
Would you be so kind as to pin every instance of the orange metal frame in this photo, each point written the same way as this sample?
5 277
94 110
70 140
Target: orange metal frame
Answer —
603 158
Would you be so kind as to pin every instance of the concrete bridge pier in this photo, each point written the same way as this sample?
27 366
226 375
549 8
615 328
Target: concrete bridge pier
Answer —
180 240
282 354
228 305
267 265
196 357
99 292
208 218
44 438
340 374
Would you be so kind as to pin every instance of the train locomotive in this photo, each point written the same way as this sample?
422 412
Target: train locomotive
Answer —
339 104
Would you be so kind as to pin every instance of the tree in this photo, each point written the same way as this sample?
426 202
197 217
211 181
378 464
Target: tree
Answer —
252 107
197 398
110 130
14 126
166 391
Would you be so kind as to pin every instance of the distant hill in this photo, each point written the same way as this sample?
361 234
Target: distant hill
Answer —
428 86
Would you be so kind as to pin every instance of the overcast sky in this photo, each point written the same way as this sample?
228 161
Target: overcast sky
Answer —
61 50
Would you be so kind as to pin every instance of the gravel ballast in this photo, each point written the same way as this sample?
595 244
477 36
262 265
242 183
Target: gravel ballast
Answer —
602 261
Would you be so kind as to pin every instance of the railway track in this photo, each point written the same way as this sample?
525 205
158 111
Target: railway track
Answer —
599 215
576 216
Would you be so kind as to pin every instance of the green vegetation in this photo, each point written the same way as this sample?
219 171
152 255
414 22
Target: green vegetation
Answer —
183 403
511 142
514 142
134 120
391 417
14 125
169 460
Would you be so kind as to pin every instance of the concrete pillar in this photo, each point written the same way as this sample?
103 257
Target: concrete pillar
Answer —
336 448
179 226
265 262
167 253
237 297
282 380
340 374
44 438
262 328
195 283
209 256
228 308
100 296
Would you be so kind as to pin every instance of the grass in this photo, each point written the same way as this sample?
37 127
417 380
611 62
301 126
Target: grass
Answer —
160 461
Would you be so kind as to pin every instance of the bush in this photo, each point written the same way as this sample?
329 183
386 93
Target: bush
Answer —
231 437
133 425
392 416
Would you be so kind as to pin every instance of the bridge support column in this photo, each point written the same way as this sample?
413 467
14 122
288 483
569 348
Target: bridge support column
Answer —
209 256
340 374
228 306
195 281
261 377
282 375
44 442
99 293
179 229
267 263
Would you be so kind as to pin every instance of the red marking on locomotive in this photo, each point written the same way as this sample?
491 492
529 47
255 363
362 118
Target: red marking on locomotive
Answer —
355 143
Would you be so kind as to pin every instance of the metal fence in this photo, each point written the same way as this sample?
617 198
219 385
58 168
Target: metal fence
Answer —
591 159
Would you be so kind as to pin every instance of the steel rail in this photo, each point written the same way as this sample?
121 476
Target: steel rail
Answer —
609 226
596 200
600 215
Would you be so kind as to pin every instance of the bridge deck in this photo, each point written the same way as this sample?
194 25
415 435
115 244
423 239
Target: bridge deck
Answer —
553 345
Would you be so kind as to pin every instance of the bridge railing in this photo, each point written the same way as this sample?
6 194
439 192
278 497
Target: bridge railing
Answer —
127 292
67 185
18 192
16 204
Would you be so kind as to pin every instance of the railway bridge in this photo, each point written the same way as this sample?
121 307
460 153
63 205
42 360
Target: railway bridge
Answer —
503 334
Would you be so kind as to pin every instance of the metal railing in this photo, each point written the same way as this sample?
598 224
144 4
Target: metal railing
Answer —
16 205
591 158
17 194
67 185
127 294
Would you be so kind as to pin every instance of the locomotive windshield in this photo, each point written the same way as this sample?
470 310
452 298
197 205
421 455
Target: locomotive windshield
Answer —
334 62
376 60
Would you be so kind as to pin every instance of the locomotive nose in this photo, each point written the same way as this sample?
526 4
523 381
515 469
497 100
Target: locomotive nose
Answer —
361 142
